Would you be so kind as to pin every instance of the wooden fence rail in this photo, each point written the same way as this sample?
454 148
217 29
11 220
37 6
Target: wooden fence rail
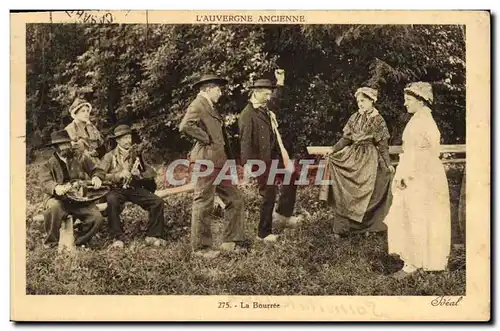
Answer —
396 150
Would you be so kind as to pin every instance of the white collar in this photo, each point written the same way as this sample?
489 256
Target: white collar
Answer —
65 160
205 95
255 103
374 112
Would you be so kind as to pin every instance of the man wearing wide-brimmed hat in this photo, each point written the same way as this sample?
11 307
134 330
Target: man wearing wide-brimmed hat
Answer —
64 166
84 135
261 140
203 123
134 181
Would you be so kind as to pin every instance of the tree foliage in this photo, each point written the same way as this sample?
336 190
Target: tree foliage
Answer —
141 74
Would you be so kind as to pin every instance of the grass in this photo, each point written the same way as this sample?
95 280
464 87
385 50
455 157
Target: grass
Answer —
307 261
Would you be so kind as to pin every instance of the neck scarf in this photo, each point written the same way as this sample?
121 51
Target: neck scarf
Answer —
369 113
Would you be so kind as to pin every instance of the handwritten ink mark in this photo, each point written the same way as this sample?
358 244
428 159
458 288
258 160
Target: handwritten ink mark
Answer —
85 17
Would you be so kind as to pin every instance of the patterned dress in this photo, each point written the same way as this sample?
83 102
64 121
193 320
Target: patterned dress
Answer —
361 189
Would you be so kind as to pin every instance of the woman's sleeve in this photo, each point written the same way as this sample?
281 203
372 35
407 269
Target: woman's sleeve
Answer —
383 149
381 131
343 142
428 139
381 138
424 145
348 128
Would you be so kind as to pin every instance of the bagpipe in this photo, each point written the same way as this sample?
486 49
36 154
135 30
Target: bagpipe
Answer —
138 164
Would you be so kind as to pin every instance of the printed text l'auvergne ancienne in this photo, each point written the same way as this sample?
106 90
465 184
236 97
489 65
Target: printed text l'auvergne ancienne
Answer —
250 18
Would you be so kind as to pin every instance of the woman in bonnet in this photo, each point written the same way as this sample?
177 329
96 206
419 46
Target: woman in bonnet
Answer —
419 222
360 169
84 135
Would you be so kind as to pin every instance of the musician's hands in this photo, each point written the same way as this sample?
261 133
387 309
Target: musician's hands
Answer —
124 174
93 153
61 190
97 182
280 76
136 173
391 169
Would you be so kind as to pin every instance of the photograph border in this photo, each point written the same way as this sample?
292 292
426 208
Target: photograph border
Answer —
474 306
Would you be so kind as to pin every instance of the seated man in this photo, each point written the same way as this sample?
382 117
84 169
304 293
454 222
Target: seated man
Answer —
133 181
64 166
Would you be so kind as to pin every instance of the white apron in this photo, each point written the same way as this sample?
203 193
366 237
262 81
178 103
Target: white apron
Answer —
419 224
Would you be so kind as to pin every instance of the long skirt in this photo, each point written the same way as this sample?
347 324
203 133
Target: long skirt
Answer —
419 223
361 189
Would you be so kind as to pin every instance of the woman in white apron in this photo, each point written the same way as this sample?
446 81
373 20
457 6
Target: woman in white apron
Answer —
419 224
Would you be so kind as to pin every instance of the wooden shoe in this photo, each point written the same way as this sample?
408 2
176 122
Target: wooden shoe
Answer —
233 247
156 241
269 238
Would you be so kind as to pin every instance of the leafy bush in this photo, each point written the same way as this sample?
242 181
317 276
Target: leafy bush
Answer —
142 73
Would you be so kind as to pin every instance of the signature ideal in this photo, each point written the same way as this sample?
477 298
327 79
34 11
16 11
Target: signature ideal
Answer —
446 301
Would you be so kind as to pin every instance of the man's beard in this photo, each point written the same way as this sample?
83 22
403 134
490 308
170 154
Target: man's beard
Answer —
67 153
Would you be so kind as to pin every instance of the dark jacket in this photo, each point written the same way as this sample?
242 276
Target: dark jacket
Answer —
80 167
205 125
257 139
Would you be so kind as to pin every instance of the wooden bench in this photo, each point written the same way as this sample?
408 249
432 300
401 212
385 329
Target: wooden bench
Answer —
396 150
393 150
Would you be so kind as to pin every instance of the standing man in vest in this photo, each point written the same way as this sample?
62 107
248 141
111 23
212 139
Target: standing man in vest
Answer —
203 123
260 140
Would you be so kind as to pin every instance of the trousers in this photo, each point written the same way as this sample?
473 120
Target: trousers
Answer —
139 196
57 210
286 201
203 204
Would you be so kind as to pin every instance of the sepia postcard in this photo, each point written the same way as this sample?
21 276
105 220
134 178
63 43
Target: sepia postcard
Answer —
250 165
